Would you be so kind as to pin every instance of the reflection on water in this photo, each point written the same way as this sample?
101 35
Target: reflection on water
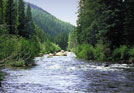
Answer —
69 75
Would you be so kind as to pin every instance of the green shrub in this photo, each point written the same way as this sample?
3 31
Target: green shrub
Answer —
103 53
3 30
120 53
78 49
8 45
99 53
131 54
116 54
85 51
12 49
29 47
19 63
49 47
124 51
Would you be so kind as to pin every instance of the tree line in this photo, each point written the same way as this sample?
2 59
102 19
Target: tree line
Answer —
105 30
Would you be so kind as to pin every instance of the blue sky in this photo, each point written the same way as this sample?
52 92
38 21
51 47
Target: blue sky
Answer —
63 9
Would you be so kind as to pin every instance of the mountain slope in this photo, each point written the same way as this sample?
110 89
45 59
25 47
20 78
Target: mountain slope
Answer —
49 23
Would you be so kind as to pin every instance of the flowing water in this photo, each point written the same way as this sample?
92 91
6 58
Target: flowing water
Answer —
66 74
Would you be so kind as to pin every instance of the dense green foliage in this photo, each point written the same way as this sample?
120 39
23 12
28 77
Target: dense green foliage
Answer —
105 30
10 16
1 11
62 39
17 48
21 18
29 26
49 47
129 21
20 38
72 41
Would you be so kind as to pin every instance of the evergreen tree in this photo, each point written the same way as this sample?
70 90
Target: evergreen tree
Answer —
111 28
21 18
129 21
62 40
1 12
72 40
28 13
10 16
86 30
16 13
29 27
79 21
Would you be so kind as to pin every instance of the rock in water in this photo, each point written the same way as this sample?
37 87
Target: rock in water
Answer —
61 54
50 55
65 54
62 51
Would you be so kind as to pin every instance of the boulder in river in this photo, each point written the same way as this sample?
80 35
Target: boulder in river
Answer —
50 55
59 54
62 53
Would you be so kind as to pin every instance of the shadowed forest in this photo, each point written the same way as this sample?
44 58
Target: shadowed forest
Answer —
105 31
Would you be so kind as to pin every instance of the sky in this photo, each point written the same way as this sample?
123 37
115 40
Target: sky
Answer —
65 10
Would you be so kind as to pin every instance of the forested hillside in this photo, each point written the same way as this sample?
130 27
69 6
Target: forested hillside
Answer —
105 30
49 23
55 28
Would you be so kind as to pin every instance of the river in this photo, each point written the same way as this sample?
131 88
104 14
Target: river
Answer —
66 74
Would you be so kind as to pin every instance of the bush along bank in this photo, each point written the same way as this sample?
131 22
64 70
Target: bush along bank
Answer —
18 52
123 54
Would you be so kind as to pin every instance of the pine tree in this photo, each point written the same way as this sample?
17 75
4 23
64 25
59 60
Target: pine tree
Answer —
21 18
86 24
72 40
79 21
111 23
28 13
10 16
61 40
16 13
1 12
29 27
129 21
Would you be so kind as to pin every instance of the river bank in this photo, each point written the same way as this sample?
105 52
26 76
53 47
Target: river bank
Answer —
67 74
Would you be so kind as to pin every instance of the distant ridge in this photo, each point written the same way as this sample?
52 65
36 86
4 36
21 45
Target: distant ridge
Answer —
49 23
33 6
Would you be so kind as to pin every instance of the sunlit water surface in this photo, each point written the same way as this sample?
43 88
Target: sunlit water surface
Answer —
66 74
